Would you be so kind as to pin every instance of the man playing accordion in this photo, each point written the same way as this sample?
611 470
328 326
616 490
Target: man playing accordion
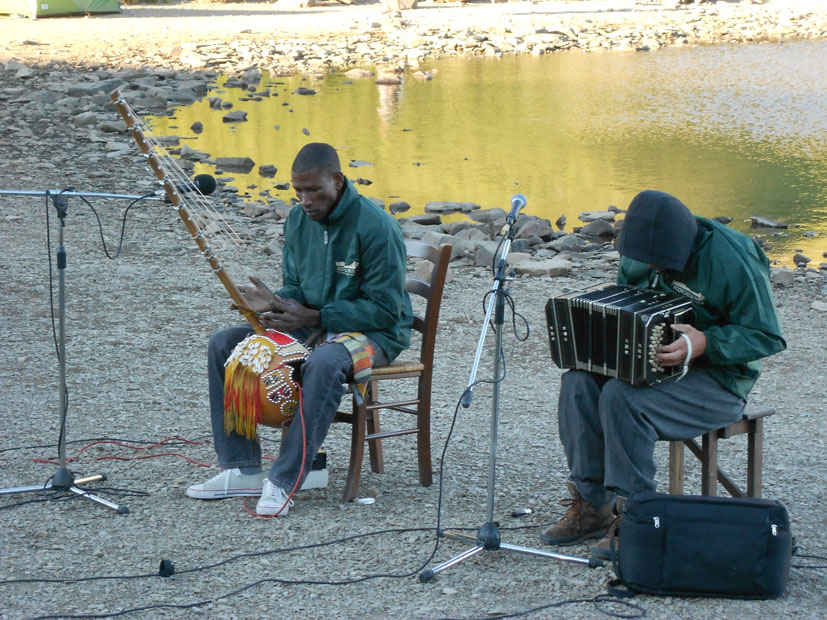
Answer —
609 428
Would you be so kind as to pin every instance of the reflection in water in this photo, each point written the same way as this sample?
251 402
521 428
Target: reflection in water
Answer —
733 131
389 99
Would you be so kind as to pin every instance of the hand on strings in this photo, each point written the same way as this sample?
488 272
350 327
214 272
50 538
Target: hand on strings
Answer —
289 315
259 298
674 354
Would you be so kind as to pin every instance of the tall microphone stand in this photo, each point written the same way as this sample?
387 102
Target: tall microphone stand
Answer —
488 536
63 479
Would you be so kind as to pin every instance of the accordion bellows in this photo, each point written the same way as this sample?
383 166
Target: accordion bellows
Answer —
260 383
615 330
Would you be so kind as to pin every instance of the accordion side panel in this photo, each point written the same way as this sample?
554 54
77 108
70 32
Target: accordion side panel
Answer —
615 330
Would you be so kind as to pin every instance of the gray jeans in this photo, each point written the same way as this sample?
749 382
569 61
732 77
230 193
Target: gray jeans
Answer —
324 374
609 428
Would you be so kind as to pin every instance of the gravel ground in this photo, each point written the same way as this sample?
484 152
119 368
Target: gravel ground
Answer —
136 336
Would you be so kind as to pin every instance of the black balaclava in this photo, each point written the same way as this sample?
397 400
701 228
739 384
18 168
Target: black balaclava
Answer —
658 230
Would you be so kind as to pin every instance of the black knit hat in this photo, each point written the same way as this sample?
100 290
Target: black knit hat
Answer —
658 230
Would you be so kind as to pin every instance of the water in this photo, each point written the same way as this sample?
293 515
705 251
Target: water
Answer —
731 130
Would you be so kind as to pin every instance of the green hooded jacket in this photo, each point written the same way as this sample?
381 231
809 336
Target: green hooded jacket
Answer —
351 268
727 279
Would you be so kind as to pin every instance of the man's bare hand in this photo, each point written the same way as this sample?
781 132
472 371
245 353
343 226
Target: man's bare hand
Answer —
674 354
259 298
288 315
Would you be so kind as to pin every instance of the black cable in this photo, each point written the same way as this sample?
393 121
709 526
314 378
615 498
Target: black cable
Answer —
597 601
123 225
809 557
171 442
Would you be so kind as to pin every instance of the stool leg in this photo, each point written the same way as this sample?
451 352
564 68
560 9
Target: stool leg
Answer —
676 468
709 464
755 458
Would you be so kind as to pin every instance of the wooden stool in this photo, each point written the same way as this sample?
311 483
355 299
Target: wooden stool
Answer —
751 423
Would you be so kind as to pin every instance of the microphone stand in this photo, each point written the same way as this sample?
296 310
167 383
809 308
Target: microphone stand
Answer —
63 479
488 536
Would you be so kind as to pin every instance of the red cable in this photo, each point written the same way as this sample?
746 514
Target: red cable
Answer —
301 470
52 461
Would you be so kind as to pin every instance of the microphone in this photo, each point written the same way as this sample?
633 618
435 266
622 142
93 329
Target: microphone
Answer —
204 184
518 201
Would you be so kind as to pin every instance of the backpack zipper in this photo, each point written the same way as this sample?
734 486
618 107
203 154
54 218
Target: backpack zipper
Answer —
657 522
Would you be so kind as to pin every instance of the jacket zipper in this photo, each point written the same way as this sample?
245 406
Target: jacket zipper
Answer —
325 237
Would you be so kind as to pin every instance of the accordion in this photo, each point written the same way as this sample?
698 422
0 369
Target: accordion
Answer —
615 330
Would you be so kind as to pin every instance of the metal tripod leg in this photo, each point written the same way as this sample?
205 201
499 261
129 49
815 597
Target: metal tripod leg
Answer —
73 488
429 574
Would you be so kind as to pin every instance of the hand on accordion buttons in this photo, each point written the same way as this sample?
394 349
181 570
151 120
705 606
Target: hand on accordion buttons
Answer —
674 354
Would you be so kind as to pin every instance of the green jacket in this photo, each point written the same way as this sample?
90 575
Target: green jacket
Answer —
352 269
727 279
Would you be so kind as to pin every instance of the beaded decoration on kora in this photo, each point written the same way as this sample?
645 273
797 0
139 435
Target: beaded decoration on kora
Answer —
260 382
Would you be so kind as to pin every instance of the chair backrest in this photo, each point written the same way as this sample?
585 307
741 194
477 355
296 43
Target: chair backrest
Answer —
426 324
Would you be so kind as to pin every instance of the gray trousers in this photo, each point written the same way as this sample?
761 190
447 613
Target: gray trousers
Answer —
609 428
324 373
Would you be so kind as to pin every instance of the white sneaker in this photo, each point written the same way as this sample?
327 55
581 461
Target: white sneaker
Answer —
229 483
273 500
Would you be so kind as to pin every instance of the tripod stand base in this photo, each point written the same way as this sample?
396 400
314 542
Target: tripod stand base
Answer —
71 485
485 545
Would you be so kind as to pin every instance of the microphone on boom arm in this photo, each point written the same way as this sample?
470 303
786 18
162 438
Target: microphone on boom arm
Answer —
204 184
518 201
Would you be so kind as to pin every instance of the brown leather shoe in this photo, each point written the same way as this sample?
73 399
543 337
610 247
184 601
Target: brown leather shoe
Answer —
602 549
581 521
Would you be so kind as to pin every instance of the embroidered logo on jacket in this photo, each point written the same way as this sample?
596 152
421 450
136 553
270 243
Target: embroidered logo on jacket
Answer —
681 288
348 270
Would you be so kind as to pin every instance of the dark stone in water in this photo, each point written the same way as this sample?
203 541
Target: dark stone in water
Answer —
197 127
304 91
723 219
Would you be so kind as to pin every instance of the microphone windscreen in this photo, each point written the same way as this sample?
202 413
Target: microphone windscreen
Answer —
205 183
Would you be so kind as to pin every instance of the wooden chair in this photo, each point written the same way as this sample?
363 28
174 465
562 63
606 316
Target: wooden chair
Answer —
751 424
364 418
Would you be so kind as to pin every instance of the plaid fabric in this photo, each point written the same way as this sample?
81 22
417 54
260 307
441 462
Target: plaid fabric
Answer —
361 352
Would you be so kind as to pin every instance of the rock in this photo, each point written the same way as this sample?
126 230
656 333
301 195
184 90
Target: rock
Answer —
359 73
570 243
449 206
723 219
236 116
598 228
235 164
561 222
256 209
764 222
85 119
301 90
267 171
399 206
197 127
799 259
819 305
591 216
535 227
553 267
781 276
425 220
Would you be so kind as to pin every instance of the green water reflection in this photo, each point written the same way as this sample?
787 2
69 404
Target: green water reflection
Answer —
735 131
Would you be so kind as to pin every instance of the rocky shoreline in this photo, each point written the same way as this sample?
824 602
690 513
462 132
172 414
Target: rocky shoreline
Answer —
62 93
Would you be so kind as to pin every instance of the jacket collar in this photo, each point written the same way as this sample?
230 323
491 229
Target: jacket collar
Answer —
349 196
